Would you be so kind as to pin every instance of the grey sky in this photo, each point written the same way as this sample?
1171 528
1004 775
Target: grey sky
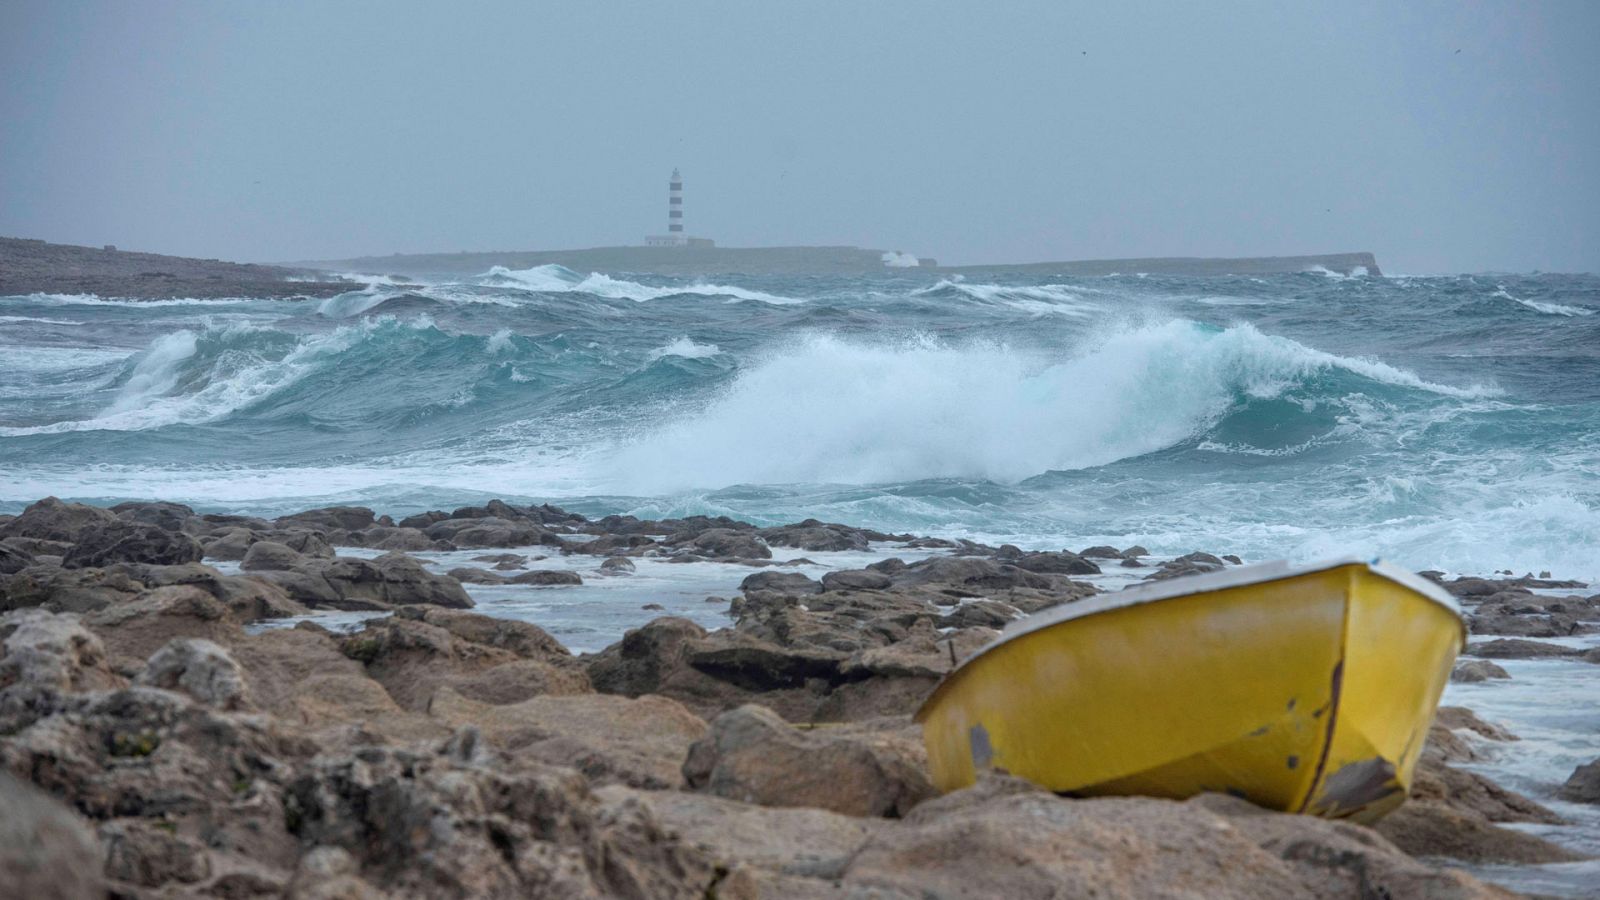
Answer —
979 132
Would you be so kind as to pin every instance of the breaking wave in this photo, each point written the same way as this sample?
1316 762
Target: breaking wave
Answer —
685 348
1549 309
834 411
561 280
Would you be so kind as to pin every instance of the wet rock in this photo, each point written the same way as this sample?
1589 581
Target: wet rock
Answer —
608 544
781 582
816 536
13 559
980 614
247 598
639 742
1431 829
381 537
469 575
1057 563
393 579
131 542
547 578
723 543
421 521
1100 551
1196 563
52 520
491 531
1536 626
1476 670
46 851
1583 786
270 556
330 518
854 580
617 565
752 754
1516 648
1462 718
199 668
161 513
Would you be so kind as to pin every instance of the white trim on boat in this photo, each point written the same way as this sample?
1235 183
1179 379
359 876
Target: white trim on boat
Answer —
1212 581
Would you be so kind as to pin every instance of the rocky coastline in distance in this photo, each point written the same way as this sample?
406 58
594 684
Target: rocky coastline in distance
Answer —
163 733
36 267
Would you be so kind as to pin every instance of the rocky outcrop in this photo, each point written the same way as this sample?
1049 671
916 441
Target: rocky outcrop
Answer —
131 542
753 755
1583 786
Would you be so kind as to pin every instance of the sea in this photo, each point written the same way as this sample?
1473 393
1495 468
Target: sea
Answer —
1449 422
1442 422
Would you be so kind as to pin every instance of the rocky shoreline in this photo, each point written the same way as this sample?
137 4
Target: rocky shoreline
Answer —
35 267
176 722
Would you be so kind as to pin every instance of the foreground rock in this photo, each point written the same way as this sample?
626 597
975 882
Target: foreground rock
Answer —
45 850
753 755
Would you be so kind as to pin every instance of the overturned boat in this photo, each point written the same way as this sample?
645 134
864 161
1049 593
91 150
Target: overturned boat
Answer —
1300 688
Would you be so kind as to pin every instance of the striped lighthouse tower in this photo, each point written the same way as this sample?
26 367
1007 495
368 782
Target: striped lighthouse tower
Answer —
675 205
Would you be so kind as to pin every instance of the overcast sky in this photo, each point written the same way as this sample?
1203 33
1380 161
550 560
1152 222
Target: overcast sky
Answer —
1441 136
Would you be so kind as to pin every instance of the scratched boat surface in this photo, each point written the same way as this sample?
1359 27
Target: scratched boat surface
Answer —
1300 688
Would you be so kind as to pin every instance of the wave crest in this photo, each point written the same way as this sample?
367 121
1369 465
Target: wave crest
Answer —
841 412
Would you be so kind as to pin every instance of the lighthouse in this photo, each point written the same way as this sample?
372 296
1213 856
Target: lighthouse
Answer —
675 204
675 236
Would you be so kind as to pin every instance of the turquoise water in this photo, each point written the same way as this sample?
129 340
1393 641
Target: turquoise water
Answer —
1445 422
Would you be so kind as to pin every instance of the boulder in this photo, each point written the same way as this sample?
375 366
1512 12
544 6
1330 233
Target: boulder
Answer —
617 565
1057 563
782 582
1535 626
1100 551
1516 648
640 741
330 518
547 578
723 543
199 668
52 520
472 575
853 580
491 531
46 852
393 579
270 556
1475 670
160 513
816 536
53 652
752 754
1583 786
608 544
131 542
413 657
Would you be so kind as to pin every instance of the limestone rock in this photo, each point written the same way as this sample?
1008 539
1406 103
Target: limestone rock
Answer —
753 755
640 742
1475 670
52 520
199 668
1583 786
131 542
46 852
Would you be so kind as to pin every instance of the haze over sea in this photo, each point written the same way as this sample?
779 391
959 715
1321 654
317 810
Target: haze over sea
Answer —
1442 422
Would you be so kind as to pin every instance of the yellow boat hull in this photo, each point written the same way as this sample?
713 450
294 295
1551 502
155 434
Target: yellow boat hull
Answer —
1306 690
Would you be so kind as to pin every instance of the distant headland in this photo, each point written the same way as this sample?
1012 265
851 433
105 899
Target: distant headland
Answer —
32 266
694 259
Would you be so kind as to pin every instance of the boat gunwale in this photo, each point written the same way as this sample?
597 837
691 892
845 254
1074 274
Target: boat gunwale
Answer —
1188 586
